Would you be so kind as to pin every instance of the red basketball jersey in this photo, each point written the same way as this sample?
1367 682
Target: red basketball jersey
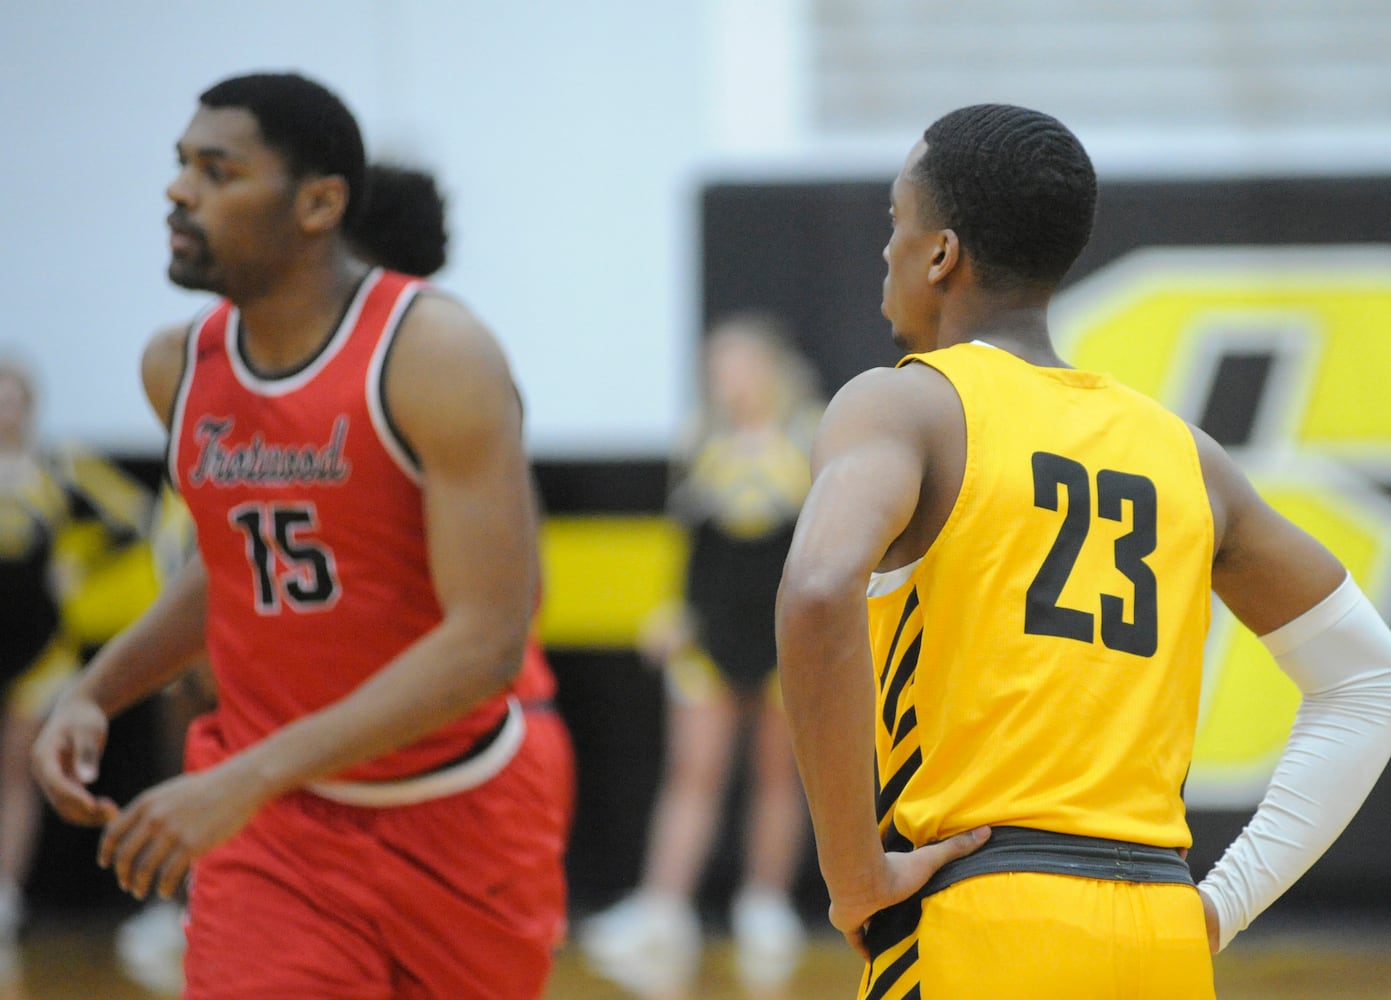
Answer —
310 522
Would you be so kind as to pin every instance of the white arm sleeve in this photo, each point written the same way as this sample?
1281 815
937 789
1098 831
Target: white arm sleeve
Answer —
1339 654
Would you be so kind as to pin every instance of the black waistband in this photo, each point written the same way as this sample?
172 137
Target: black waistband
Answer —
1019 849
476 748
534 705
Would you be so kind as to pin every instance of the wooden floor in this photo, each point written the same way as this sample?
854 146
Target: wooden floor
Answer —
1344 958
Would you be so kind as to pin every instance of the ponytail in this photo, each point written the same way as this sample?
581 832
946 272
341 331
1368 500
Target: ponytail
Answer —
402 225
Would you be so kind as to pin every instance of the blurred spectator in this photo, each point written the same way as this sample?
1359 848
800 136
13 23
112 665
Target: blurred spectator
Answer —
740 478
61 512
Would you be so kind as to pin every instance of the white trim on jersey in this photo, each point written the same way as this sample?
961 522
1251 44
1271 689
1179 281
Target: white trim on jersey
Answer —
375 390
889 581
435 784
254 383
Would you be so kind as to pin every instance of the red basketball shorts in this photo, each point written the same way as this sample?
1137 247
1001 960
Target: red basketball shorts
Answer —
457 897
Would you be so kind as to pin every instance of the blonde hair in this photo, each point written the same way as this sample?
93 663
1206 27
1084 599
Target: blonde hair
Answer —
13 368
22 431
795 383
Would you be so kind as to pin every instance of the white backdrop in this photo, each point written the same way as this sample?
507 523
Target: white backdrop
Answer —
571 138
567 137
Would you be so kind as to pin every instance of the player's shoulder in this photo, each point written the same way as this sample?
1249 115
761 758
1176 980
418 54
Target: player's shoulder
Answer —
911 410
909 396
440 330
447 373
167 345
913 381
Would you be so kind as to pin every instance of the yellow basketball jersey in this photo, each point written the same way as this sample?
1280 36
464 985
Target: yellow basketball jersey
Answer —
1041 665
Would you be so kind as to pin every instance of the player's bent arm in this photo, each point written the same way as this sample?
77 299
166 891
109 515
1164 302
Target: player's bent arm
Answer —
145 657
1330 641
867 470
451 394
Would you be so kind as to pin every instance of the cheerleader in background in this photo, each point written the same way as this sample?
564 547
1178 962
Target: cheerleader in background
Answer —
60 511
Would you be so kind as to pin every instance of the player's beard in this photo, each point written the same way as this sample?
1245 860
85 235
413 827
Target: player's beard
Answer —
191 261
195 271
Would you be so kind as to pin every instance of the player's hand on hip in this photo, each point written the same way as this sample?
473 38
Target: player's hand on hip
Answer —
65 759
904 874
153 841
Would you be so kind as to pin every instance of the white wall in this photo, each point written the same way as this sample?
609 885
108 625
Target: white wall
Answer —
571 136
564 133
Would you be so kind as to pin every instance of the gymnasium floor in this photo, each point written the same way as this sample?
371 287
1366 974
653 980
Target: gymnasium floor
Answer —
1329 958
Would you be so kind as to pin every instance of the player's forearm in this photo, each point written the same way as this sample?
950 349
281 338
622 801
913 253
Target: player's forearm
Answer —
154 650
1339 654
828 690
442 676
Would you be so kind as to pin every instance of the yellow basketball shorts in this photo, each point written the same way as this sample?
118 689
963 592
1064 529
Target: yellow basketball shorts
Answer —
1027 936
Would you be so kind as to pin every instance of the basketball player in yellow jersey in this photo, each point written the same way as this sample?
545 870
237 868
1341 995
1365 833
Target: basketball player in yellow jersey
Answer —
1038 545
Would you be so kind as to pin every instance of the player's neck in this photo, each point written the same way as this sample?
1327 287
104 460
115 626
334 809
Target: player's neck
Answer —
289 321
1032 345
1019 326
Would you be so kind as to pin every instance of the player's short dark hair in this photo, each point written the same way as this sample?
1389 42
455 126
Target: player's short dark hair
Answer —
305 123
1015 185
402 225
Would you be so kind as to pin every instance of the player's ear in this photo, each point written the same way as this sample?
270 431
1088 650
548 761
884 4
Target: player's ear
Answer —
945 255
321 202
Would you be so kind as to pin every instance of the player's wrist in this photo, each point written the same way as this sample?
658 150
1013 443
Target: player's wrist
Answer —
259 773
856 884
84 694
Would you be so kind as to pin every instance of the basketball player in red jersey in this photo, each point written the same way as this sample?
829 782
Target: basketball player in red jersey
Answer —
370 818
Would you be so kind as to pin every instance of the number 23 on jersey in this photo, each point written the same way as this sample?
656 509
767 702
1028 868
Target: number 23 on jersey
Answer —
1055 478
